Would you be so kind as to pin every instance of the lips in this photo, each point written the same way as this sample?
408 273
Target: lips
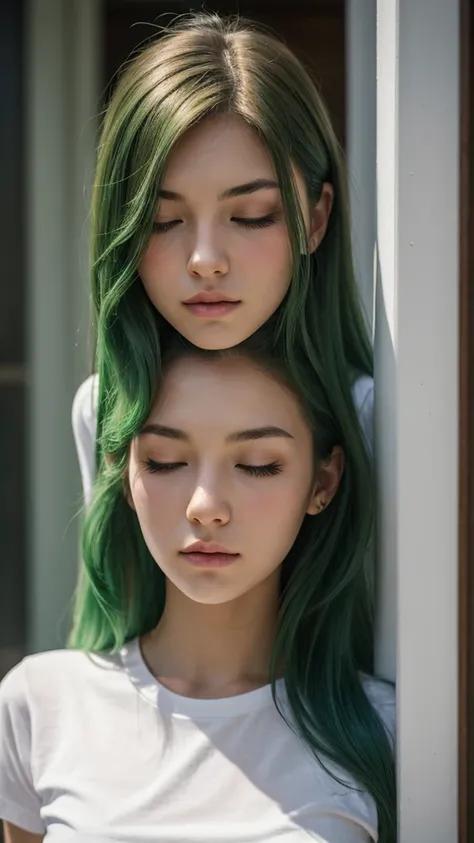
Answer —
209 555
207 547
211 297
212 309
211 304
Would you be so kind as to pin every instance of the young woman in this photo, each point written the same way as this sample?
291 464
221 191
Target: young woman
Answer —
214 692
219 211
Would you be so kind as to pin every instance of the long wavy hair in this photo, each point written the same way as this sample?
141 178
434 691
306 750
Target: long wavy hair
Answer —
202 66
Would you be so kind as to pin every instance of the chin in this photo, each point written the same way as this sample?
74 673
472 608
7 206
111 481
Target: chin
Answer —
217 336
212 598
212 595
217 340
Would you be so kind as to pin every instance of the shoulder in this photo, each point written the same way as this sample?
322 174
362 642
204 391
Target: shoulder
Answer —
84 405
13 692
43 679
41 667
382 695
20 805
39 700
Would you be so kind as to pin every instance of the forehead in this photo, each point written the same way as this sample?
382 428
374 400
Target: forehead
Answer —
218 153
216 142
230 393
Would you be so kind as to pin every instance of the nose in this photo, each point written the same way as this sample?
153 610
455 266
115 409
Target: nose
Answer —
208 259
207 506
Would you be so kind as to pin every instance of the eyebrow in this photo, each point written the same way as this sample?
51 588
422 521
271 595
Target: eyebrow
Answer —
231 192
239 436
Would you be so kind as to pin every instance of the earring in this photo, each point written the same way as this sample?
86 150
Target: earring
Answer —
322 505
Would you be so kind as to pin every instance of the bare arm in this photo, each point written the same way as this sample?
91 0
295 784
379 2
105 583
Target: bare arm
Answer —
13 834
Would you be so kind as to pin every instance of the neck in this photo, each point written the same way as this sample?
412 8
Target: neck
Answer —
202 650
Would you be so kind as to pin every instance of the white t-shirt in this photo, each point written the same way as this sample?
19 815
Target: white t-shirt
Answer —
94 748
84 422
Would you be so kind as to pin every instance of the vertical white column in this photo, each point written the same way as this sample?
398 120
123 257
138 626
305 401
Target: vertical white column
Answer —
56 156
417 393
361 61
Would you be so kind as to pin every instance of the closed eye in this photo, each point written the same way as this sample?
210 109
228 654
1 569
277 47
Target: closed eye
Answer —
246 222
165 467
255 222
162 227
268 470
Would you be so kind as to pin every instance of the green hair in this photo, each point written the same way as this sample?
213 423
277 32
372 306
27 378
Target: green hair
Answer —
204 66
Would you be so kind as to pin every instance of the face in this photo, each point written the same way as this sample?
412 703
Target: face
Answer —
221 477
219 261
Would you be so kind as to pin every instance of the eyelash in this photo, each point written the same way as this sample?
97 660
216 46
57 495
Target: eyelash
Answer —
163 227
156 467
269 470
256 222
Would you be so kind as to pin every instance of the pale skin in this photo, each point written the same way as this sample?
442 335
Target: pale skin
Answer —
220 227
221 484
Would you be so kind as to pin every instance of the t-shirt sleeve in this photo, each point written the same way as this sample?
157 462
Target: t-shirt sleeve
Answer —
84 425
19 802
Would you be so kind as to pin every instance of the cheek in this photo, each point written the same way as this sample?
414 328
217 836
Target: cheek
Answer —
156 264
156 507
274 522
277 511
270 256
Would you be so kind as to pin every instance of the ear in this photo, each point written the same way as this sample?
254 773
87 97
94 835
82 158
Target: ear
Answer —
319 216
328 477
